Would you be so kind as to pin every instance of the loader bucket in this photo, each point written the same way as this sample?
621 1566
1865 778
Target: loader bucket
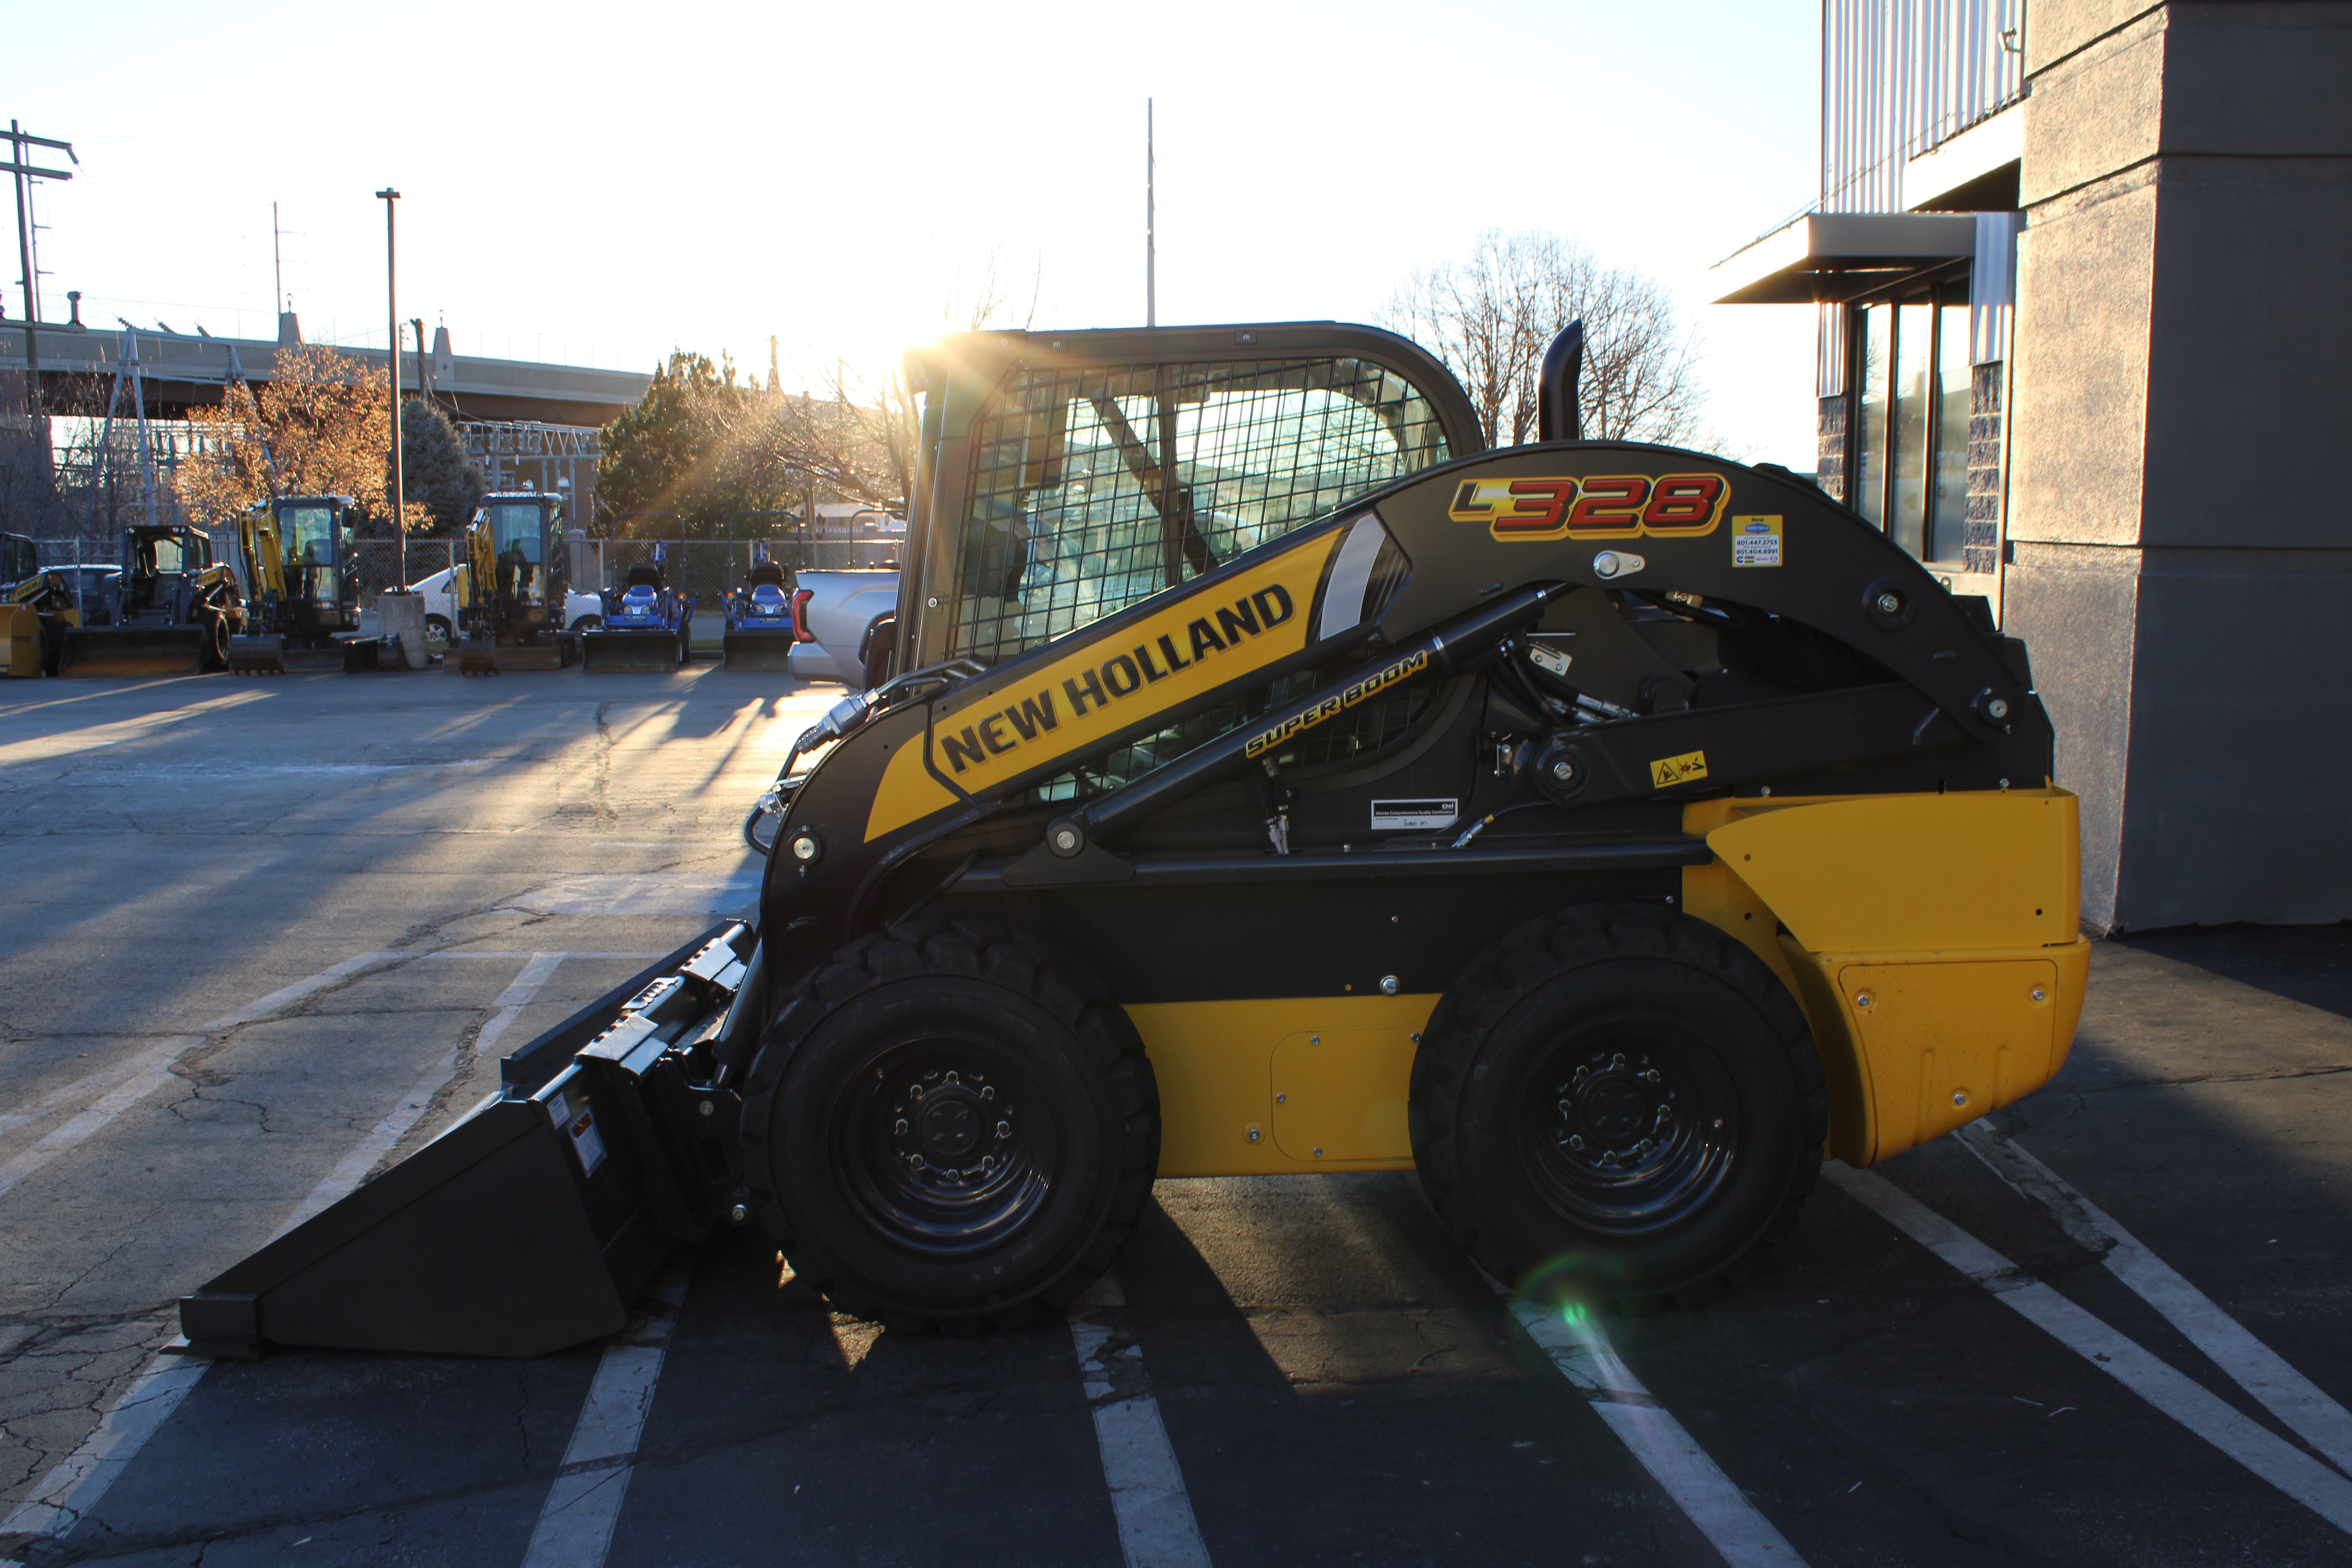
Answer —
528 1226
553 654
132 650
758 650
611 652
256 656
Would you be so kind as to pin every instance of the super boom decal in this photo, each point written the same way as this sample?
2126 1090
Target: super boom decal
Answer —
1594 505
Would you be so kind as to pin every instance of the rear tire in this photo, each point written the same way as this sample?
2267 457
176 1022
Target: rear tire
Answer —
1617 1102
437 629
952 1128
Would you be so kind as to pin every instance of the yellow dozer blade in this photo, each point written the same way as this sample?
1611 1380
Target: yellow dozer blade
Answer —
758 650
623 652
134 650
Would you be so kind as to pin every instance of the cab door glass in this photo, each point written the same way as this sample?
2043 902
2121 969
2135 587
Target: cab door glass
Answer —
1094 488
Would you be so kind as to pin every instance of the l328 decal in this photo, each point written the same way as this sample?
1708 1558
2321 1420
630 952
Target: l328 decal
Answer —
1594 505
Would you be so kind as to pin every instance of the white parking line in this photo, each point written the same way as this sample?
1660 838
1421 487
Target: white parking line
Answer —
75 1485
2261 1371
95 1082
2269 1455
656 893
575 1525
1148 1498
354 1166
68 1492
150 1071
1709 1497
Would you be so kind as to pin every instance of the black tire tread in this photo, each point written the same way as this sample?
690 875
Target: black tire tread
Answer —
1020 965
1501 977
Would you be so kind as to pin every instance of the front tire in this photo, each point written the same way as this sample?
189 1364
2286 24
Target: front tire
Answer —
952 1128
1617 1102
437 629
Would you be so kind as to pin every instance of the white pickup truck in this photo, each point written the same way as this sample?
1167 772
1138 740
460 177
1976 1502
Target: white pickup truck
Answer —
834 612
580 611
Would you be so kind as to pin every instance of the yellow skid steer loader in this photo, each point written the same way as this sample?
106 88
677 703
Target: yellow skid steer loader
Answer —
172 610
1281 782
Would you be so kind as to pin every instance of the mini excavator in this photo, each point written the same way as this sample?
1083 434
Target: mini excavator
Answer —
1281 782
511 591
301 596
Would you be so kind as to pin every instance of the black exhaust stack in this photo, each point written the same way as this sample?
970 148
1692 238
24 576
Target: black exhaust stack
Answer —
1557 416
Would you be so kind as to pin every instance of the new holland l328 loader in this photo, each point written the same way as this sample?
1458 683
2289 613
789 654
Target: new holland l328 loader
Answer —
1281 783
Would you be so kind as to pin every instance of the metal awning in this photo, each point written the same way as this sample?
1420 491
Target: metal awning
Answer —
1823 258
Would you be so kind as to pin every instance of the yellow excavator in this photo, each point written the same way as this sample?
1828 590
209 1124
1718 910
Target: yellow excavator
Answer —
511 595
173 610
301 599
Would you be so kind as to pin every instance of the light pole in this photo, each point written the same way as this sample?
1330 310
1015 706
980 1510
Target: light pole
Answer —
392 367
1150 224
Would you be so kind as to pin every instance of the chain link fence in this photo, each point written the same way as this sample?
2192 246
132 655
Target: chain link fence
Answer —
376 564
708 569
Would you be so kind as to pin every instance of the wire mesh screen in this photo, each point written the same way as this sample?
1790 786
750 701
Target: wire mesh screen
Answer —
1093 488
376 564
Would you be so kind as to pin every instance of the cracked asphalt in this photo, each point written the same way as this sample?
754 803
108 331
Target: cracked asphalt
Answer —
1338 1384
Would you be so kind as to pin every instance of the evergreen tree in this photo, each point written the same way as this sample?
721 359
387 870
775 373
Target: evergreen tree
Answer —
438 474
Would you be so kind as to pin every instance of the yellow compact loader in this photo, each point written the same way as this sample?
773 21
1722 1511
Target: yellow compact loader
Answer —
36 608
1281 782
170 610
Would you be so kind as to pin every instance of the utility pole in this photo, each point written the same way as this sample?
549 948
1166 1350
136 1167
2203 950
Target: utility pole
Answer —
1150 219
424 375
276 261
23 173
392 366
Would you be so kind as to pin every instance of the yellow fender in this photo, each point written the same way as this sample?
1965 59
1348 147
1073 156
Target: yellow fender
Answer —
1933 940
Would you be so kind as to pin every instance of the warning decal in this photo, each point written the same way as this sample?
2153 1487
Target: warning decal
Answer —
1688 768
1756 542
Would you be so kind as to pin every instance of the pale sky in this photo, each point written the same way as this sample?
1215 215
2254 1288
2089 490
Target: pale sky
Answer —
596 184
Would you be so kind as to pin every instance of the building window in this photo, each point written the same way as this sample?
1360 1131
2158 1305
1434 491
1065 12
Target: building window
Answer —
1911 443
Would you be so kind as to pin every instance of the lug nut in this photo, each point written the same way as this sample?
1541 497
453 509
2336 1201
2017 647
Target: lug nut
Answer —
900 1127
1004 1129
1890 603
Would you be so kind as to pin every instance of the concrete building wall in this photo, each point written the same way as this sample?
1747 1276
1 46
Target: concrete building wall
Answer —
2182 547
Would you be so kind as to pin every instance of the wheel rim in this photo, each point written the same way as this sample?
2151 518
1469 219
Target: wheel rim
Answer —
943 1145
1628 1128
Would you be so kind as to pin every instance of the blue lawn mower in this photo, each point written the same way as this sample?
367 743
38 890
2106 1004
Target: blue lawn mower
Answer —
760 626
648 625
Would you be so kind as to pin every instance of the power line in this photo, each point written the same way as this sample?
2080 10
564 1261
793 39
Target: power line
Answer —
23 173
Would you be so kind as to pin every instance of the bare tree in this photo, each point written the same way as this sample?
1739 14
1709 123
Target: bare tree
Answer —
1490 318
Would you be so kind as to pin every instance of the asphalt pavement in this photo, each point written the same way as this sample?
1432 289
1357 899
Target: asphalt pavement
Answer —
266 935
